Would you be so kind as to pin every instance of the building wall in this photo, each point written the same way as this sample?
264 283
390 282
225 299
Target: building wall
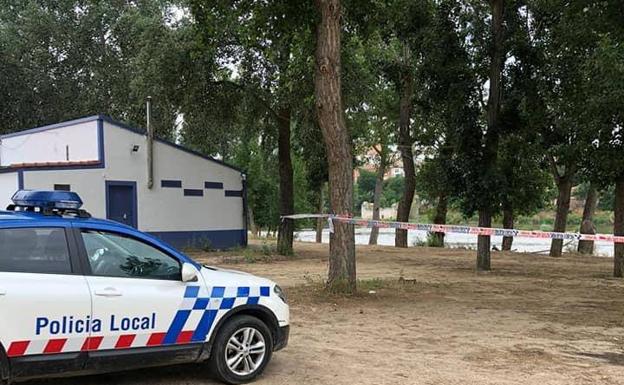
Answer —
164 209
88 183
8 186
78 141
385 213
210 219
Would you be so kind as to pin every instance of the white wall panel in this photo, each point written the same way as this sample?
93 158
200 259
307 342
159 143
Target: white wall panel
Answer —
79 141
167 209
8 186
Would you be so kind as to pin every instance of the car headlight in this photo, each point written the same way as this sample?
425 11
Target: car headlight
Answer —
280 293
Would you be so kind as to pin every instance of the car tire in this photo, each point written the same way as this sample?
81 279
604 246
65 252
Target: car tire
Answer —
237 356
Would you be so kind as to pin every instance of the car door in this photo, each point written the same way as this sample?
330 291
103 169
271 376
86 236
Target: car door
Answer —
145 310
44 300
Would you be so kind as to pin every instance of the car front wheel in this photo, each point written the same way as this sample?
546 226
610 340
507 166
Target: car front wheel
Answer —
242 349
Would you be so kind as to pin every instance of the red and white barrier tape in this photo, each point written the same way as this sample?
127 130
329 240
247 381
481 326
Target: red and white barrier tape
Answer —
460 229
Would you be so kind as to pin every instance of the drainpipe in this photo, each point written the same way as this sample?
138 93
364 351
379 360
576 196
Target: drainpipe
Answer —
150 146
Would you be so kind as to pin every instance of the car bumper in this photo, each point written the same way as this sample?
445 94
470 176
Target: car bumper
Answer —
281 338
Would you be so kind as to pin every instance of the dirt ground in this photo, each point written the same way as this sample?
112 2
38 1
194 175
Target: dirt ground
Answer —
423 316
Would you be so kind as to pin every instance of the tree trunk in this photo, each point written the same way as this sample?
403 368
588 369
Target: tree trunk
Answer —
405 145
440 219
492 135
508 223
483 242
286 188
320 222
564 186
587 225
381 170
252 224
330 113
618 228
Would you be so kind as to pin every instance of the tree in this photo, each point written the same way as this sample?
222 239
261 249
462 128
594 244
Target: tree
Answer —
451 109
328 96
491 139
587 226
270 51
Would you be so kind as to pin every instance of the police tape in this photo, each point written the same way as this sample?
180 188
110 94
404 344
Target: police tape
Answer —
458 229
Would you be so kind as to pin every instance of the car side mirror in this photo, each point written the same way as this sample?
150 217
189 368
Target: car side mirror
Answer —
189 273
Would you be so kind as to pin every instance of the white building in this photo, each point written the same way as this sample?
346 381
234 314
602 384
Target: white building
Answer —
195 200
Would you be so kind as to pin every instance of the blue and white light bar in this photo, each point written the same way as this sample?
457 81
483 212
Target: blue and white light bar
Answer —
47 199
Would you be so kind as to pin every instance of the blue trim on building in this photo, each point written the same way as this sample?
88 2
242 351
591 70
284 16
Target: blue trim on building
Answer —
171 183
189 192
164 141
245 212
213 185
234 193
105 118
101 152
135 205
53 126
216 239
20 179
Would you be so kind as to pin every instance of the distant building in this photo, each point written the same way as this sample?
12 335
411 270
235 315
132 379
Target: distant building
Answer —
195 200
370 161
385 213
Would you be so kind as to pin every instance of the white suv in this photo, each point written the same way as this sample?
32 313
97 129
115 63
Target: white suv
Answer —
80 295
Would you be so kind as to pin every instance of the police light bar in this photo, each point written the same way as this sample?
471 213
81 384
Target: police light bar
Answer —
65 200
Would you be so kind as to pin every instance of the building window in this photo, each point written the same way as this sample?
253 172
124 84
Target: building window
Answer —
193 192
215 185
233 193
62 187
171 183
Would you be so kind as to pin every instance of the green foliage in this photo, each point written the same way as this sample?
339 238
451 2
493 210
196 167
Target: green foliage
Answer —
365 189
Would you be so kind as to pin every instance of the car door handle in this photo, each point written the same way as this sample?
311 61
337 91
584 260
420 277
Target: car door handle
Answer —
108 292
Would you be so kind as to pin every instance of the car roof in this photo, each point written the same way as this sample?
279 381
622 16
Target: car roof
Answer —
6 216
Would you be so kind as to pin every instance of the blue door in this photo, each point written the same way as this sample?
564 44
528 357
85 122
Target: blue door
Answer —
121 202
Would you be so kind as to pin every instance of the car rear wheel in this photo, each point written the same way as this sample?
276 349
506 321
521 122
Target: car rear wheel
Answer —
242 349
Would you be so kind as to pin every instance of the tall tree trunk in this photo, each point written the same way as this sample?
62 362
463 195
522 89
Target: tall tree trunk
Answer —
405 145
618 228
492 135
286 188
330 113
587 225
483 241
381 170
440 219
508 223
252 224
320 222
564 185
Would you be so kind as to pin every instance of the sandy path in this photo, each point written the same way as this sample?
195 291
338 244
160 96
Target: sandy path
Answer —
533 320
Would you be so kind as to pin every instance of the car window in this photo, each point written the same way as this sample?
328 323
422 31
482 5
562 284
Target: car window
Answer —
116 255
34 250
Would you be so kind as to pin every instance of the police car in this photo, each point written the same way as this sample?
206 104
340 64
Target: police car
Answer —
80 295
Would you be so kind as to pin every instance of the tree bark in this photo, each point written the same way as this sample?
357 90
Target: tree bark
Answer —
330 113
440 219
508 223
286 188
405 145
483 241
618 228
320 222
252 224
564 186
587 225
492 136
381 170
